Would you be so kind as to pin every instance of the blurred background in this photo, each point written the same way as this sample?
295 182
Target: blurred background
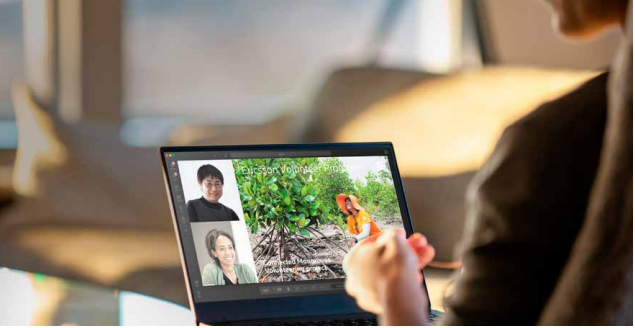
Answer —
89 89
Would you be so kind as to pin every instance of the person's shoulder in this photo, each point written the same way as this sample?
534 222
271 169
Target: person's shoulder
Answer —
210 274
210 269
365 216
242 266
192 206
230 210
246 270
573 124
559 141
582 109
226 207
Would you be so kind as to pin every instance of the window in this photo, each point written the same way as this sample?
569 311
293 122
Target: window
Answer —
11 52
244 61
11 67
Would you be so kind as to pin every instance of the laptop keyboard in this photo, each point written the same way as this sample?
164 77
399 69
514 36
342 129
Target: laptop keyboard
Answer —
435 317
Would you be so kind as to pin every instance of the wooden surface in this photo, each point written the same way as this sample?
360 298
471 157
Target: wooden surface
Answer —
439 286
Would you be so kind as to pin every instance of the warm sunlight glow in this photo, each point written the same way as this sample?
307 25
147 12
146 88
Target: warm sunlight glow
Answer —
38 145
450 125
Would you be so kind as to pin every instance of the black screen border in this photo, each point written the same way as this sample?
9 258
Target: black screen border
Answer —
337 304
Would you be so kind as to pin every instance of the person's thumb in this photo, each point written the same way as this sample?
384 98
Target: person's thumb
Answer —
394 244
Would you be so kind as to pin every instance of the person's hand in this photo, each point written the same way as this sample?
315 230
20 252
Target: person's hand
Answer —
424 251
383 274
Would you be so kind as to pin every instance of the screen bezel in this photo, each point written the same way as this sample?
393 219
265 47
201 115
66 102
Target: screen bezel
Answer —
293 306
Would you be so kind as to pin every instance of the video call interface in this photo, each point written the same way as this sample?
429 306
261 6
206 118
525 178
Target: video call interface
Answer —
277 226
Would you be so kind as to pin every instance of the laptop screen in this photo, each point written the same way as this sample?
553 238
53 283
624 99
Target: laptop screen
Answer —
267 224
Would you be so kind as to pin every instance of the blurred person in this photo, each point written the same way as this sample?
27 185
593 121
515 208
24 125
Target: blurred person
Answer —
548 238
360 224
208 208
224 270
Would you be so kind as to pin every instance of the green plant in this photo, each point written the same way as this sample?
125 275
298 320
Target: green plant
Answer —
280 195
334 180
286 200
279 192
378 193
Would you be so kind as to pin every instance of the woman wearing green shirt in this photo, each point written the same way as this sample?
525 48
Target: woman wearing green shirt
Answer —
224 270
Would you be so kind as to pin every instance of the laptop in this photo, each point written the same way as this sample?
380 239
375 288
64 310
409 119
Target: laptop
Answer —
262 229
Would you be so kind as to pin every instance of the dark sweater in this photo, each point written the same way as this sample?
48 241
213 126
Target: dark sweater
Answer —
527 205
200 210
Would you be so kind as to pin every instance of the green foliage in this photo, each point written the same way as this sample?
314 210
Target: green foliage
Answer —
334 180
280 192
296 193
378 194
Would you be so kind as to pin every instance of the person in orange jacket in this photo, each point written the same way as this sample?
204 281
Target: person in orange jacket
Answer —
360 224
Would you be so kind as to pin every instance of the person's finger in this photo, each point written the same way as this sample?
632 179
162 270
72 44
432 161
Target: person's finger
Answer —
366 248
425 252
369 303
355 250
426 256
390 234
417 240
395 245
366 299
353 261
349 286
370 239
346 263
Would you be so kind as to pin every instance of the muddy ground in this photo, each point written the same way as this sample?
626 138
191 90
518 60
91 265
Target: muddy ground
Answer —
306 258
